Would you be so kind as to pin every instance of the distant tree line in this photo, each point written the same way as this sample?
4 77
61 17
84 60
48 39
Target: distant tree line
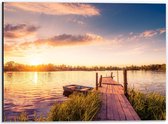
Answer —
153 67
12 66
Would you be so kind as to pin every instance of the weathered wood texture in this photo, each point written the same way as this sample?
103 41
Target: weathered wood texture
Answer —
96 81
108 80
115 105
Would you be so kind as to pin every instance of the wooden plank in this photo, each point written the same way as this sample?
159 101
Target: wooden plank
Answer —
125 108
115 105
118 104
107 80
119 108
132 111
110 115
102 115
121 90
112 105
118 89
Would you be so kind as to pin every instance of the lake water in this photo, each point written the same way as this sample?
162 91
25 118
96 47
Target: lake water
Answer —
37 91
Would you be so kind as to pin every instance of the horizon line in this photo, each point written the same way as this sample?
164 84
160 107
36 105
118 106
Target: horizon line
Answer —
87 65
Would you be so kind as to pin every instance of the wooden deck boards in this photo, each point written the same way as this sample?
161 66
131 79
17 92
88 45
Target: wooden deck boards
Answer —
115 105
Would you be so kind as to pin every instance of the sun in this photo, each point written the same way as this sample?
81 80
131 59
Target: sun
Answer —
35 61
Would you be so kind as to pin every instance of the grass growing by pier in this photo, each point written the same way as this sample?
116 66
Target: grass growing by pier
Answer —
79 107
151 106
23 117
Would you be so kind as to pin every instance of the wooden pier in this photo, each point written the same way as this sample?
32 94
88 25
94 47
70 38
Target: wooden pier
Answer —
115 105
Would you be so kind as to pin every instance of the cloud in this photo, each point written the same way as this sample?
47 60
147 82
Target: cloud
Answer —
8 47
149 33
117 40
134 38
146 34
162 30
19 30
131 33
55 8
162 49
65 40
76 21
13 51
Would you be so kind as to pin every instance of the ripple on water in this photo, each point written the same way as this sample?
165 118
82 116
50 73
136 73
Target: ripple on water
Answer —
37 92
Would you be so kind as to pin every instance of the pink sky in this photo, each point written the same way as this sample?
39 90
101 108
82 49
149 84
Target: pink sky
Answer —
36 33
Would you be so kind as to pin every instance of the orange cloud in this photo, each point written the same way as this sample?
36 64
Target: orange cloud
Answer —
55 8
133 37
149 33
65 40
19 30
162 30
146 34
8 47
12 51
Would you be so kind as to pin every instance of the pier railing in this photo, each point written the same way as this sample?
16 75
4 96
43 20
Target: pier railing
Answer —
115 105
99 81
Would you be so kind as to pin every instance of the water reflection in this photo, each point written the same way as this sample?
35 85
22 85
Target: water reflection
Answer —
22 95
35 77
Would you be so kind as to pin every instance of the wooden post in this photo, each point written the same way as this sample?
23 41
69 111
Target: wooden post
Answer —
112 75
96 81
117 77
100 81
125 82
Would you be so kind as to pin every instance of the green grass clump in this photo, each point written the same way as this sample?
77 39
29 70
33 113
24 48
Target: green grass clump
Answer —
39 118
78 107
151 106
22 117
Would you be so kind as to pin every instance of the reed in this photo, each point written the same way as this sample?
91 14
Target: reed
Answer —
78 107
22 117
150 106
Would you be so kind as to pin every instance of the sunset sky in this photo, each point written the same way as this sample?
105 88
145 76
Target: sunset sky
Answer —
84 34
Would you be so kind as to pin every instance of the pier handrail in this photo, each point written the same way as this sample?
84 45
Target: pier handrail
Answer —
96 81
99 81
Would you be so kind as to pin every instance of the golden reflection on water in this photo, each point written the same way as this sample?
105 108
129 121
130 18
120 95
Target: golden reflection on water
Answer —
31 91
35 77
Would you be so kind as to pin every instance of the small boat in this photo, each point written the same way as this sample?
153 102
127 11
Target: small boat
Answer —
69 89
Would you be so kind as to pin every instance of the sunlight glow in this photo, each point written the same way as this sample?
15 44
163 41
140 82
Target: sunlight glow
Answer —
35 61
35 77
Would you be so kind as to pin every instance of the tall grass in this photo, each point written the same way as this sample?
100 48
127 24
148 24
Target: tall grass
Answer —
22 117
79 107
151 106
